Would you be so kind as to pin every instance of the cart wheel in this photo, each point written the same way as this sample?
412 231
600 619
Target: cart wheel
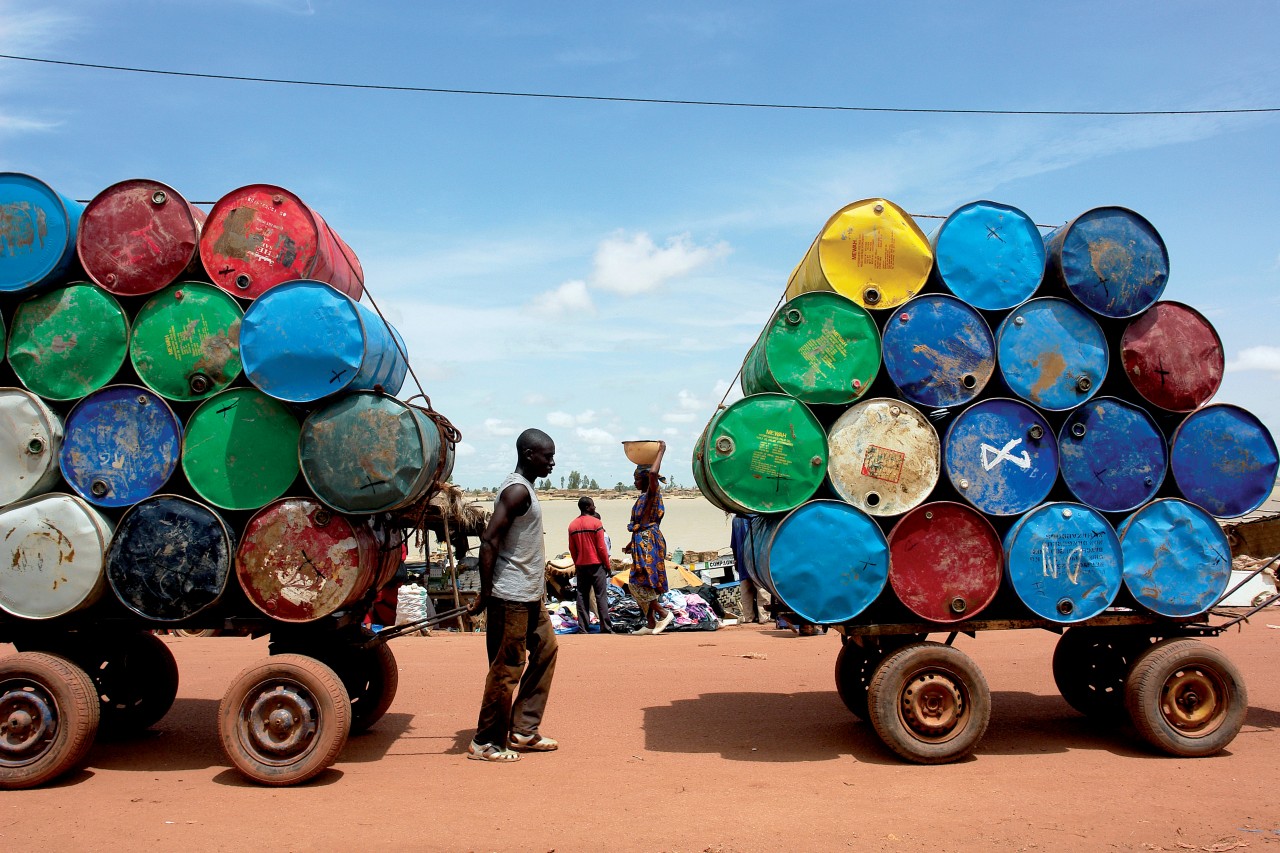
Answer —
371 683
284 720
929 703
196 632
48 718
1186 698
856 663
1090 666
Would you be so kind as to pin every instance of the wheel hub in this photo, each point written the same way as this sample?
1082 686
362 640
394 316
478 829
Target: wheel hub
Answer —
1194 702
279 721
28 723
933 705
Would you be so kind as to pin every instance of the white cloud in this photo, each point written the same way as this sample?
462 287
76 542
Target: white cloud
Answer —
1256 358
595 436
464 449
679 417
634 265
498 427
564 419
567 299
11 124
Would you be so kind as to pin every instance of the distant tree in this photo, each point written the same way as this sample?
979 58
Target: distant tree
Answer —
562 481
545 485
595 486
620 487
575 480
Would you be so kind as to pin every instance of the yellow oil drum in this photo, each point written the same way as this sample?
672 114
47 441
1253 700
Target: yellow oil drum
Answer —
871 251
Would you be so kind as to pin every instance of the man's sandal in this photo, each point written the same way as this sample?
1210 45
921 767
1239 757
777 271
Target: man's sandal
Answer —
490 752
533 743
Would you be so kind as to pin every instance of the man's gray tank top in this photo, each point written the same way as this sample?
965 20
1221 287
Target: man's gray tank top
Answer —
520 572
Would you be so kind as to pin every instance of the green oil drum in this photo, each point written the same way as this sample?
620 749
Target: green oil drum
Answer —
765 453
819 347
186 341
369 452
240 450
68 342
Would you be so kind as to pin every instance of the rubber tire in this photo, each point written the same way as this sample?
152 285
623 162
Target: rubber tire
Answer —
371 685
70 691
320 686
1091 667
854 667
1159 669
196 632
889 686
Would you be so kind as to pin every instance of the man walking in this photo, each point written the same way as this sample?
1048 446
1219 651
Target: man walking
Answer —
590 554
519 638
755 599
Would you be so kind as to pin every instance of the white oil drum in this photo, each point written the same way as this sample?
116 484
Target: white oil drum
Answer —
883 456
52 556
30 439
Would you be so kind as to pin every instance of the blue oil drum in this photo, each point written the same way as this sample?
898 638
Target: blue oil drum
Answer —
1224 460
1052 354
303 340
170 559
1112 455
825 560
37 233
1177 561
990 255
122 443
1110 259
938 351
1001 456
1064 562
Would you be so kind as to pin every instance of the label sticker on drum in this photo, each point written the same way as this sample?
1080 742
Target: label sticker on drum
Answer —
883 463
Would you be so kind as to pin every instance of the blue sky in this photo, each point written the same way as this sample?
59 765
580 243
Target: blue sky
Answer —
599 269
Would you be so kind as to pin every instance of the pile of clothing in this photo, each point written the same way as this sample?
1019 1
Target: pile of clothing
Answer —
693 612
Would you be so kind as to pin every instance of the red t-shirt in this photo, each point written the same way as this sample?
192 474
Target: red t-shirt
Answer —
586 542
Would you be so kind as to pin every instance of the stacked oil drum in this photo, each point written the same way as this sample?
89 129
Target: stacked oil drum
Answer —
985 420
201 422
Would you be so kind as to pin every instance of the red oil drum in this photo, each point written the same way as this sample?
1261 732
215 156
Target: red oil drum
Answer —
1172 356
299 561
138 237
261 235
945 561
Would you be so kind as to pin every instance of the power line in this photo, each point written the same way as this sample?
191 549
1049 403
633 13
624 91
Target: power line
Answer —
617 99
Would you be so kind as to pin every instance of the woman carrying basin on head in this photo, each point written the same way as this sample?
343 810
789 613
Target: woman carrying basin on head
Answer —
648 579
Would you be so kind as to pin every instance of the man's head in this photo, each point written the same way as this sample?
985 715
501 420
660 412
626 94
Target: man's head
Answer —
586 506
536 454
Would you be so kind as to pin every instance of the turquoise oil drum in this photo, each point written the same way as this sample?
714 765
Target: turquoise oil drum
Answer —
1112 455
1001 456
820 347
241 449
303 341
38 228
186 341
1224 460
1052 353
1177 561
825 560
68 342
938 351
989 254
1064 562
367 453
122 444
1110 259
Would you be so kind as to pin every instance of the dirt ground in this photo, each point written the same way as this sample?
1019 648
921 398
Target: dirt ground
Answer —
726 741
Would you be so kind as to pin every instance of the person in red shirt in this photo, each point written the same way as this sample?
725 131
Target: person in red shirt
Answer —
590 554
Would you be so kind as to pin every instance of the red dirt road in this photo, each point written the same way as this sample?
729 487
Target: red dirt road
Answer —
674 743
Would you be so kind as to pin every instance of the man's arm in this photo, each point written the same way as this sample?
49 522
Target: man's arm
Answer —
510 505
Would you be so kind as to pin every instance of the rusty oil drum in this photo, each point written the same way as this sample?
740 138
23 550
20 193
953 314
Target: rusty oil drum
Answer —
1172 356
1177 561
259 236
170 558
368 453
938 351
945 561
1001 456
37 233
299 561
1112 455
1112 260
871 251
186 341
139 236
825 560
1224 460
51 556
1052 353
68 342
30 441
1064 562
882 456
